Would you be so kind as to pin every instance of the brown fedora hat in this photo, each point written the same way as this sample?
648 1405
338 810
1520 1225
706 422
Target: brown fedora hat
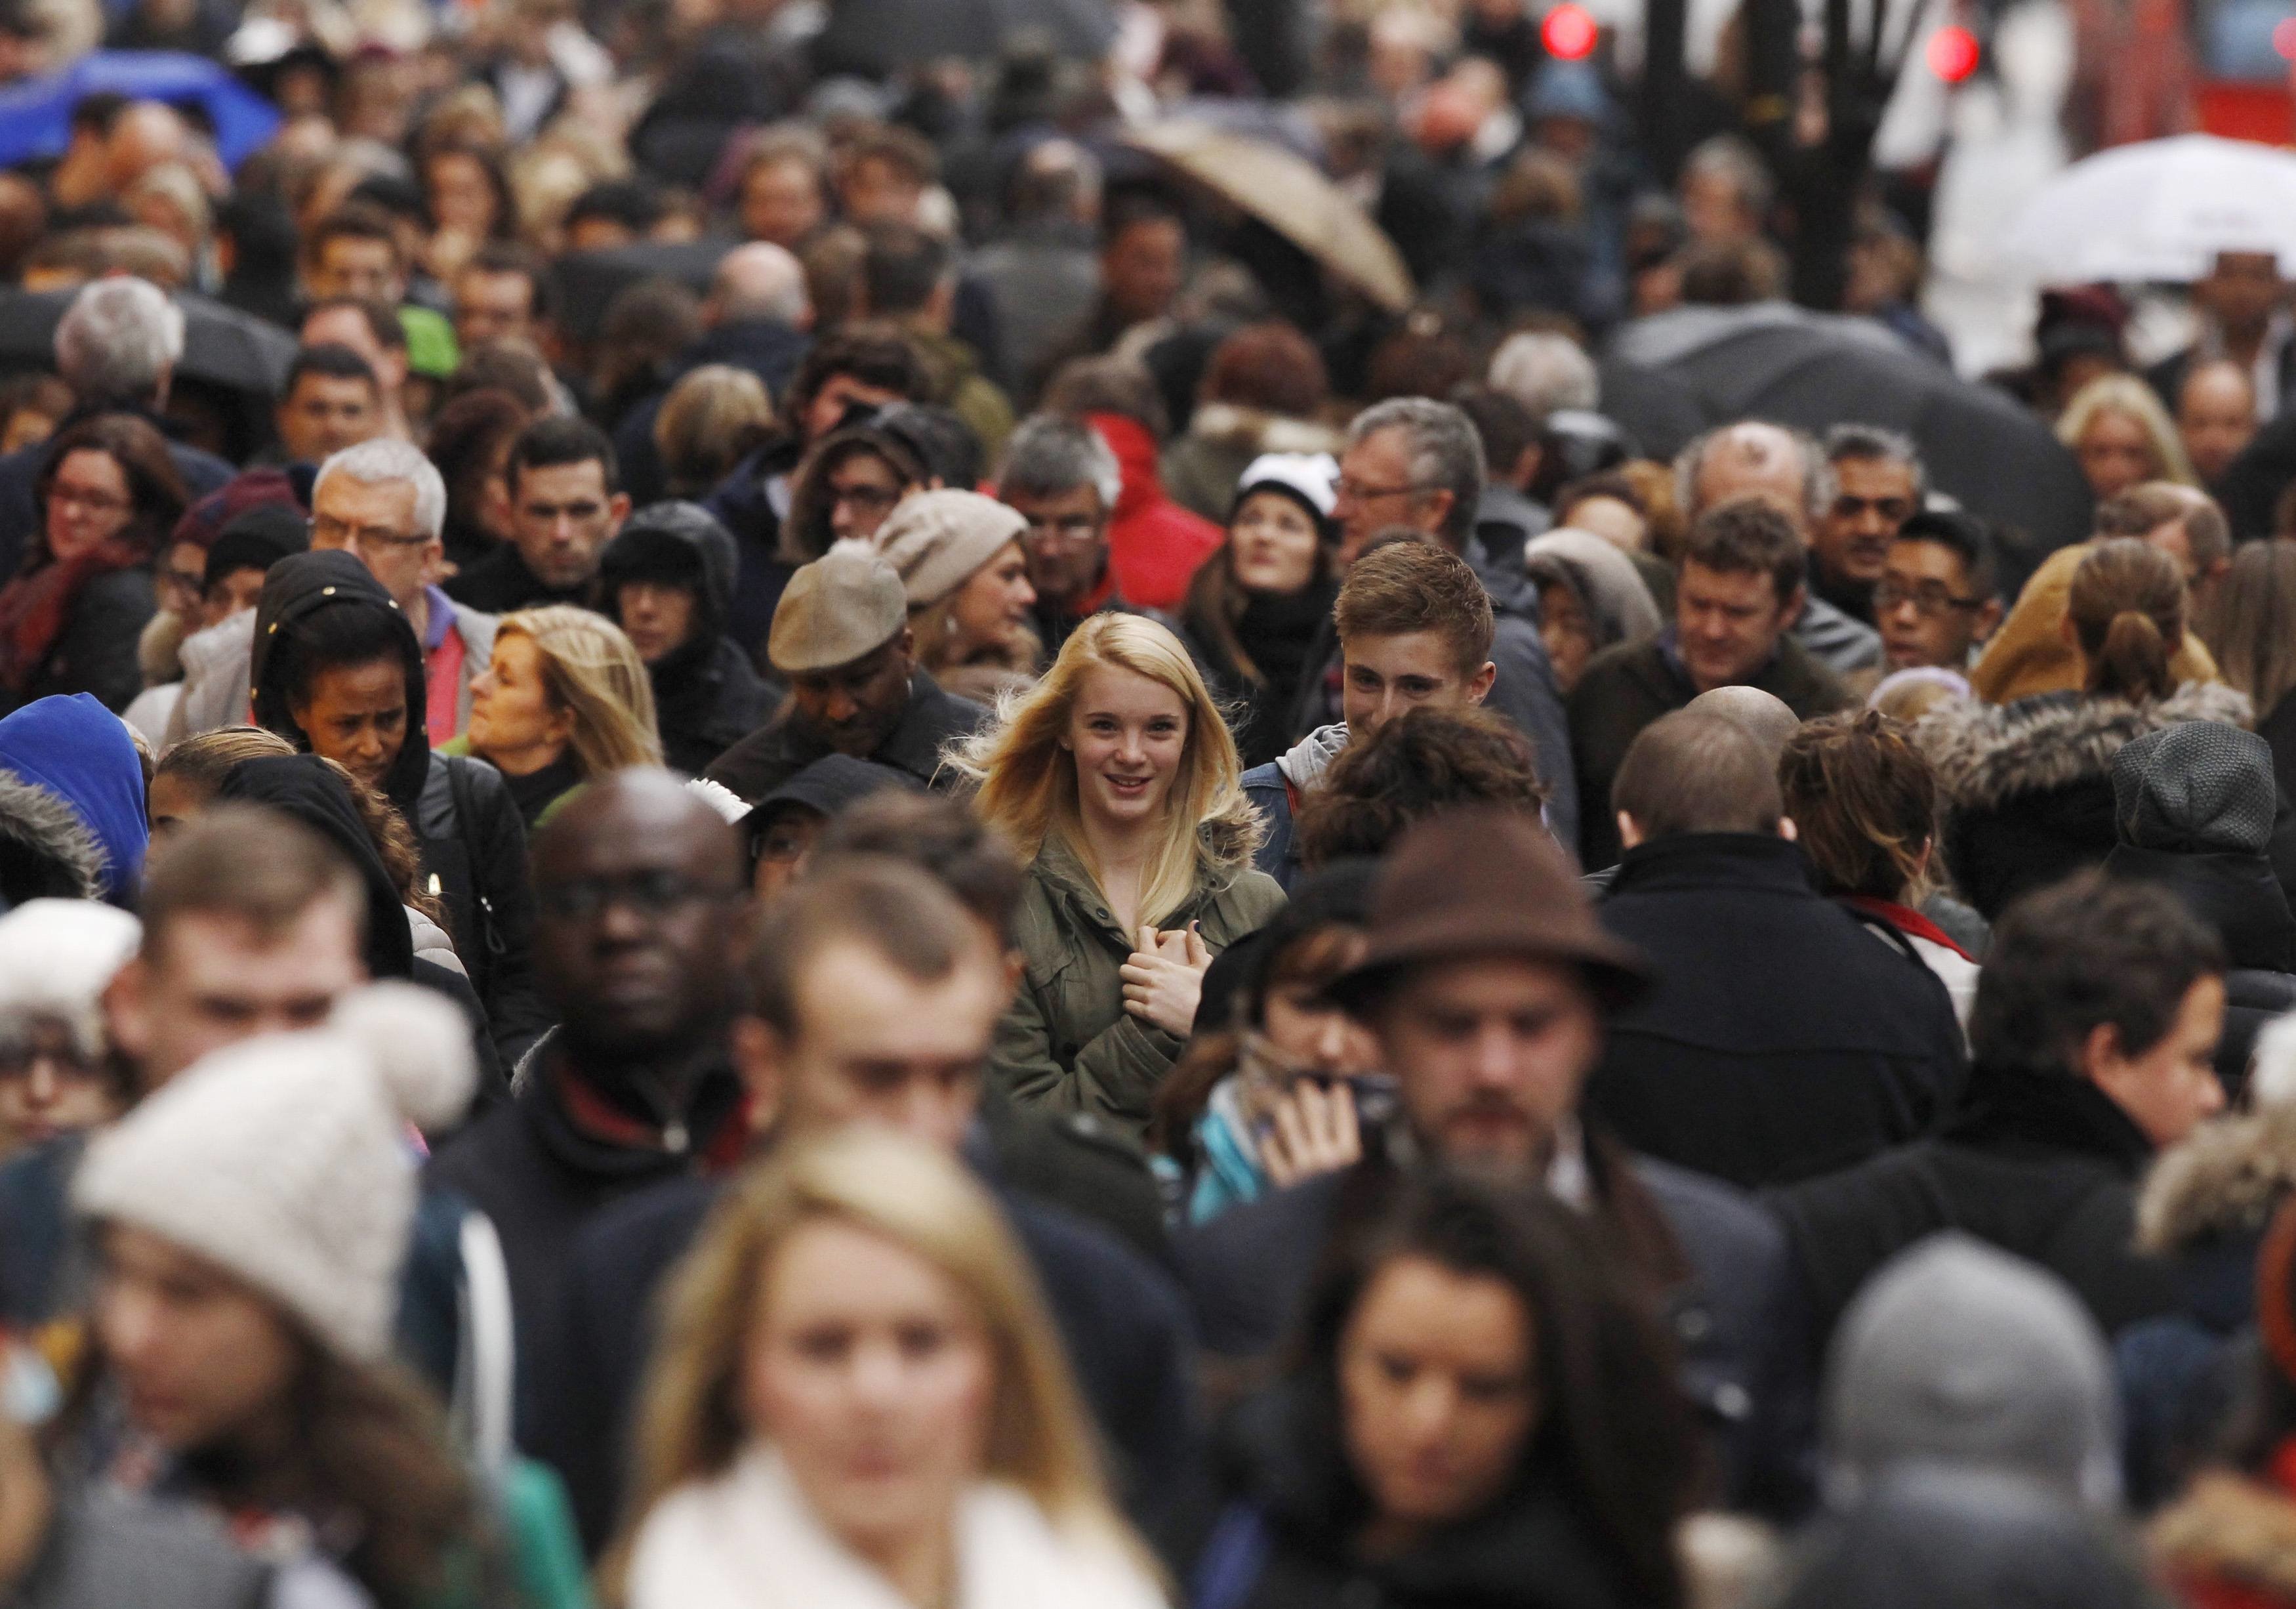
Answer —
1483 881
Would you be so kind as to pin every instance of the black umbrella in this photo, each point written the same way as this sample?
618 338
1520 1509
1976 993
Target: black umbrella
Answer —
1668 377
223 348
584 283
875 38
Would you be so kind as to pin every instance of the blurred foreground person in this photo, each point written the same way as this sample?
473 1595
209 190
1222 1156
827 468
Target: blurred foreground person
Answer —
57 1074
858 1401
1481 1412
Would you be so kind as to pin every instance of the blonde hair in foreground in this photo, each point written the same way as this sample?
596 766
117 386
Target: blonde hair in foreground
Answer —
1028 780
591 669
690 1426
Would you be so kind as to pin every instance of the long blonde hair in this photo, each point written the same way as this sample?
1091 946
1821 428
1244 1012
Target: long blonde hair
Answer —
690 1426
2249 626
1028 780
592 671
2127 395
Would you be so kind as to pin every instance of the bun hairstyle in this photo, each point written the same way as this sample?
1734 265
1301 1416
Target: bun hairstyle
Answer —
2127 610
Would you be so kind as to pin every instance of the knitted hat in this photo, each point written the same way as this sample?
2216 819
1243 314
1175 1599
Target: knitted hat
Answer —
846 603
938 541
56 958
255 539
283 1159
1310 480
2196 788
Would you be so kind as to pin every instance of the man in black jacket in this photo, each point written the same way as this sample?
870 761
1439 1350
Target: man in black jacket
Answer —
2097 1019
1489 984
566 503
668 581
640 890
874 997
1774 1045
841 637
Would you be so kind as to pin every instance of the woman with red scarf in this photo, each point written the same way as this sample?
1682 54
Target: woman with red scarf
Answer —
108 495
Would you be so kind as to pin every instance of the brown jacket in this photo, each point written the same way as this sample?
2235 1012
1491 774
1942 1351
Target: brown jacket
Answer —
2030 655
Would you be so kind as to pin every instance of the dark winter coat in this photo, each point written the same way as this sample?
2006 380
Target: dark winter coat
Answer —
1721 1261
1276 634
706 695
95 651
1628 685
2043 1167
2025 790
1775 1046
1124 1320
1286 1540
472 840
500 583
778 751
543 1166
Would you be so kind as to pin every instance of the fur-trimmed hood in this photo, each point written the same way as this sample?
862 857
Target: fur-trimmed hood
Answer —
46 852
1985 754
1232 424
2230 1529
2225 1178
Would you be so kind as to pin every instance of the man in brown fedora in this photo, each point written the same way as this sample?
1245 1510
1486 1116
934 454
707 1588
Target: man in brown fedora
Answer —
1489 984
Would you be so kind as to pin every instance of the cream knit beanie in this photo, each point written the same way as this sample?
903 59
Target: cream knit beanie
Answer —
57 956
284 1159
938 540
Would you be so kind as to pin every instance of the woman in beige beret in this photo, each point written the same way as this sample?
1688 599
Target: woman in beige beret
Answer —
967 580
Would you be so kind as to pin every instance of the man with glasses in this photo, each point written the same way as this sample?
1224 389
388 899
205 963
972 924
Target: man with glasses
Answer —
566 504
385 504
840 638
1935 601
1064 481
640 926
1877 483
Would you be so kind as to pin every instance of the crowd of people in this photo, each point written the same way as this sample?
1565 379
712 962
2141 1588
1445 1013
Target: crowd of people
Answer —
774 833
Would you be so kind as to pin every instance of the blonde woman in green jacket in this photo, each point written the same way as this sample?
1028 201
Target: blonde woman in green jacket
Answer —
1116 777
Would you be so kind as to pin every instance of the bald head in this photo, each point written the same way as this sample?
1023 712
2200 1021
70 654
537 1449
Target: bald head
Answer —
2216 414
759 280
638 893
1763 716
1749 457
147 134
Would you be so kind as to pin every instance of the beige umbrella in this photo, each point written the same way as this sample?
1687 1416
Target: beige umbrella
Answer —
1291 196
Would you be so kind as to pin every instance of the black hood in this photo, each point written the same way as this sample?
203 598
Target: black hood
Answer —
682 544
301 785
297 587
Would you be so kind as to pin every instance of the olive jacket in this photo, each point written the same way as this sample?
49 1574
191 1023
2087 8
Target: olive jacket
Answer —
1067 1043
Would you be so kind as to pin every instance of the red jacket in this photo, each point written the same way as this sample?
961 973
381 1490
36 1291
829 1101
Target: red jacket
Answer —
1153 543
2230 1541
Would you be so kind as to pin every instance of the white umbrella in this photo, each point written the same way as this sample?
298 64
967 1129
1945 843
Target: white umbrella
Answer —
2159 211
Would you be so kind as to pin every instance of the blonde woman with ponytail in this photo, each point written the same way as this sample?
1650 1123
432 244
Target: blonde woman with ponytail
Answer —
1116 776
2026 789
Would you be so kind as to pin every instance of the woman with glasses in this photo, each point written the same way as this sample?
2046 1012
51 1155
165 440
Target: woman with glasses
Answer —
848 487
1116 777
108 495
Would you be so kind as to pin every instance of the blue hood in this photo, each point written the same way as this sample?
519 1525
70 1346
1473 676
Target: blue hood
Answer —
77 749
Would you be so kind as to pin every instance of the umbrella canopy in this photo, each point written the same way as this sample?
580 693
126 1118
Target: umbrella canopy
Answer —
584 283
223 347
35 115
874 37
2161 210
1291 196
1668 377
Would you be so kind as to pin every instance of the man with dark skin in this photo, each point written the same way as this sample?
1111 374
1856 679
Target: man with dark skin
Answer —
639 926
841 640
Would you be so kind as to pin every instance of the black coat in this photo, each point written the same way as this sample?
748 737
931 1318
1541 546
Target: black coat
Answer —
1124 1320
500 583
541 1173
473 839
1783 1039
2043 1167
776 752
1286 1539
2239 899
1721 1260
1278 633
95 651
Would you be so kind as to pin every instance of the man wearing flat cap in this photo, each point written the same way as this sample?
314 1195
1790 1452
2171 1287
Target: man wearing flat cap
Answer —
1488 982
840 639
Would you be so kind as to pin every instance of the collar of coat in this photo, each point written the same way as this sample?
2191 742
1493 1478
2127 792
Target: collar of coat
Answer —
1987 753
2010 1109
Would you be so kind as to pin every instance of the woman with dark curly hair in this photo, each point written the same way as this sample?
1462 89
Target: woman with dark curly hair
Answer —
108 494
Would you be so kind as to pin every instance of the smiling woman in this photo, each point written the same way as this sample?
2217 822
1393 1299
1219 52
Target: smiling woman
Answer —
1117 777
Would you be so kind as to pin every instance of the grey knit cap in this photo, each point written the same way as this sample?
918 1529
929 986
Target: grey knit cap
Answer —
2196 788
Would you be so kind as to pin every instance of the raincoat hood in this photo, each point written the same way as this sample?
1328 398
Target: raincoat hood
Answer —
74 749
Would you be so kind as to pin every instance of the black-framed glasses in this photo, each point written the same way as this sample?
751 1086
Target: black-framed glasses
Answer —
327 531
650 894
1356 491
1930 599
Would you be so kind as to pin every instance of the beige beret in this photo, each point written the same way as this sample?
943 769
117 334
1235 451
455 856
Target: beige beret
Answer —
842 606
938 540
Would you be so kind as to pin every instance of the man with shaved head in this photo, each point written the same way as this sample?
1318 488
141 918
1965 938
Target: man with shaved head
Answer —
639 924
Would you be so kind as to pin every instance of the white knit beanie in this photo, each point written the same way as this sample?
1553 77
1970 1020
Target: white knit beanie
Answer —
57 956
284 1159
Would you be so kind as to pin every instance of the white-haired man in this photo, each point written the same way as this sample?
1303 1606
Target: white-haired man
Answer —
117 347
384 503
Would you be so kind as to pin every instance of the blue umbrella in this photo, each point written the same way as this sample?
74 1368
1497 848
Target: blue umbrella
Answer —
35 115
